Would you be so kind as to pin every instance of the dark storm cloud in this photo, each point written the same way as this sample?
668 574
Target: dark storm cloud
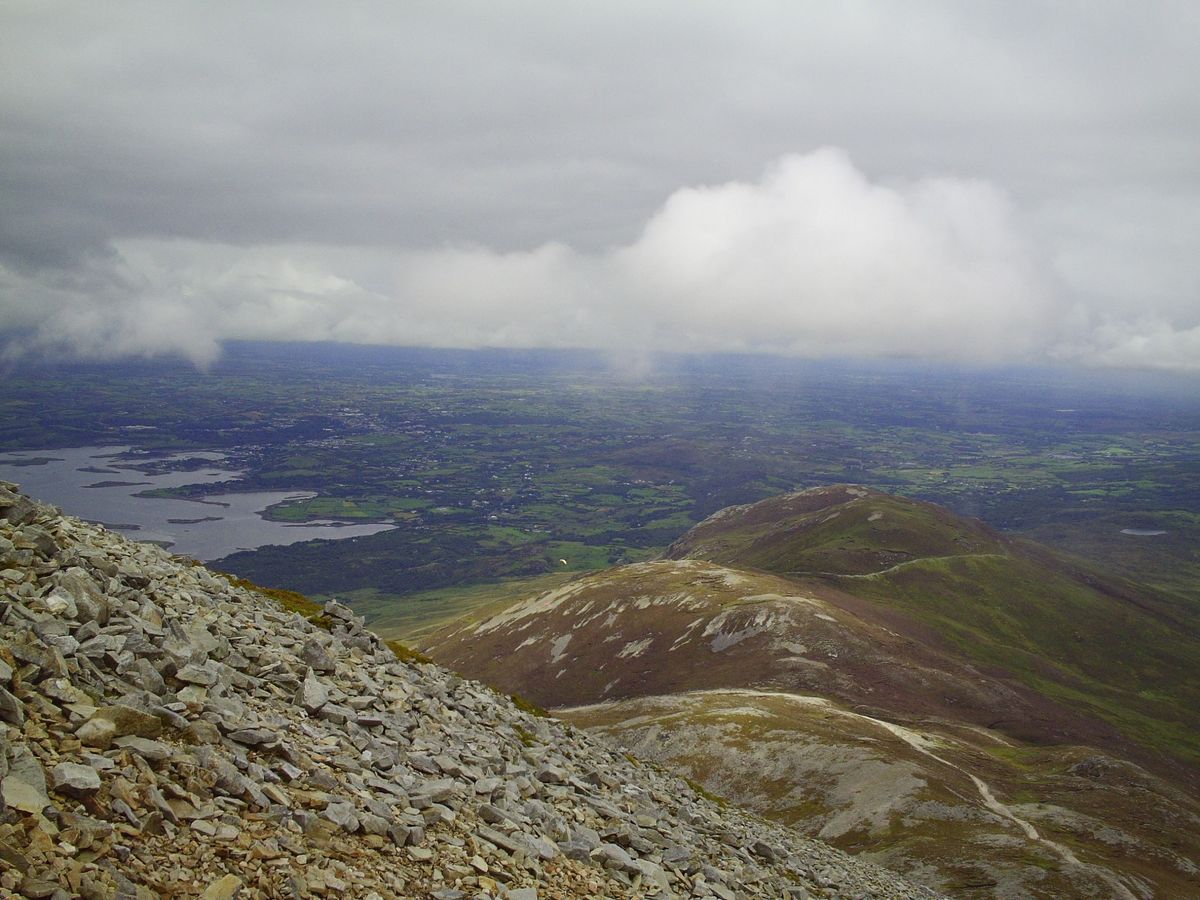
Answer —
173 174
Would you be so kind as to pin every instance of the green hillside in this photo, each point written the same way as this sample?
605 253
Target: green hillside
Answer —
1098 643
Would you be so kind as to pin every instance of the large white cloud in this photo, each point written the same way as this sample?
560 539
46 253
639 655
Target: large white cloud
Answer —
815 259
812 259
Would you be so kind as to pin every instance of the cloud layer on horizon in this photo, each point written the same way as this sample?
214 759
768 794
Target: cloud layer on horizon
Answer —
1008 186
811 260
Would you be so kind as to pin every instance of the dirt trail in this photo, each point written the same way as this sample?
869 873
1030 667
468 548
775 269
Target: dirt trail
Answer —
924 745
906 563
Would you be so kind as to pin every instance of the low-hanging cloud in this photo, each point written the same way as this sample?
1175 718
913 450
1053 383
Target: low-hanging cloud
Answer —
812 259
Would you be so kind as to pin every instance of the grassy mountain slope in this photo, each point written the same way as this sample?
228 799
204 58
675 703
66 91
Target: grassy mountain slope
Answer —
1097 643
860 664
845 530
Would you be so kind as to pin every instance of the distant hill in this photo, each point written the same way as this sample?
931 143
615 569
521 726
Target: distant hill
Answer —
893 677
1103 645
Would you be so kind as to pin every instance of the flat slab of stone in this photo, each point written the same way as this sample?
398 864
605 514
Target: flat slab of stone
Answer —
75 779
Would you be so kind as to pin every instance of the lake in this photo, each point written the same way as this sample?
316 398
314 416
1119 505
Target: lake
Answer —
102 484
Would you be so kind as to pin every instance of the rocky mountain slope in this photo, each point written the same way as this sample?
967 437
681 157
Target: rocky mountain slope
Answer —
993 720
166 732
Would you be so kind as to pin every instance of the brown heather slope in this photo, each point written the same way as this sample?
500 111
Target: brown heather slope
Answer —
1110 649
672 626
906 683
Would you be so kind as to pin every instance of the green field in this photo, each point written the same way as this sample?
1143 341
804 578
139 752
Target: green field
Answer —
496 466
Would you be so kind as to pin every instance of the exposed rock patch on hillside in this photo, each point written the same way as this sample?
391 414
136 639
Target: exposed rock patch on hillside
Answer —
169 734
885 675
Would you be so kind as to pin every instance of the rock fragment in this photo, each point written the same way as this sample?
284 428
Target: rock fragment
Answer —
75 779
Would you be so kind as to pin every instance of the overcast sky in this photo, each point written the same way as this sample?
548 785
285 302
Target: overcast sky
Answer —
972 181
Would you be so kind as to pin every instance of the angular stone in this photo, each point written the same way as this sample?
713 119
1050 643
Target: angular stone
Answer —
225 888
24 787
14 857
74 779
91 605
228 779
170 717
62 690
60 603
312 694
317 657
128 720
254 737
615 857
373 824
764 851
149 677
203 675
493 815
146 748
575 850
202 732
488 786
98 733
341 813
11 709
510 843
551 775
653 873
402 835
37 886
432 792
21 511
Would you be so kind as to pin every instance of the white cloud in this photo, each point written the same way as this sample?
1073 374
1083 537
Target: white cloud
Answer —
1146 343
813 259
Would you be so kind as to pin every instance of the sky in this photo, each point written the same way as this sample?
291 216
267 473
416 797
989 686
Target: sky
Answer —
973 182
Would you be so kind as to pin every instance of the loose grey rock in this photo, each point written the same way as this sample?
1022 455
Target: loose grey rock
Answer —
316 657
75 779
97 732
312 694
11 709
146 748
254 736
24 785
203 675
